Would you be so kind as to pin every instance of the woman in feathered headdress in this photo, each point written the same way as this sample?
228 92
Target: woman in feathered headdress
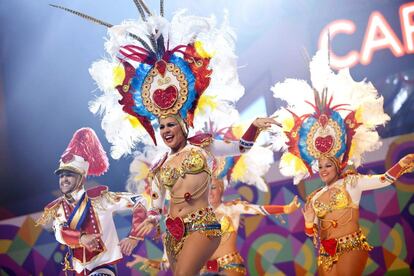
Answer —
249 168
327 132
164 73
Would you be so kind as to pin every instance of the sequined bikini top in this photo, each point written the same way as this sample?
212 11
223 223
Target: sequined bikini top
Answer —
194 163
340 199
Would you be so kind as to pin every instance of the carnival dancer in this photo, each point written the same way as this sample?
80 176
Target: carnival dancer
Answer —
186 172
326 128
83 219
249 168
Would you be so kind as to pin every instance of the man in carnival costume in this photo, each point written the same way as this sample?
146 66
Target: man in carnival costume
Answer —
326 132
83 219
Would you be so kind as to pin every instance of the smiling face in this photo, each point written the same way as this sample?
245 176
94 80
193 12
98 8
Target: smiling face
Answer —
172 134
216 192
327 171
68 181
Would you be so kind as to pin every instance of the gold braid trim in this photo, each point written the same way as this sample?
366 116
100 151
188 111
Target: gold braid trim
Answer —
48 215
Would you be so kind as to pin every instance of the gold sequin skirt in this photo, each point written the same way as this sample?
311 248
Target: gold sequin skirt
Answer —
330 250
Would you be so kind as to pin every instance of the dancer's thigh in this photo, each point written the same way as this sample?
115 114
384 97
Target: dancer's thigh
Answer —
197 249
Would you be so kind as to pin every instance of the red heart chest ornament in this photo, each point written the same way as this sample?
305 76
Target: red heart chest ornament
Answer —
165 98
324 144
175 227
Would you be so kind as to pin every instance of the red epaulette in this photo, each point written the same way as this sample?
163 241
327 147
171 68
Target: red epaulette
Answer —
97 191
201 140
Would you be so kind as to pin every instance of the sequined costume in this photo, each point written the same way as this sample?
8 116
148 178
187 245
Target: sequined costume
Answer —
196 161
347 194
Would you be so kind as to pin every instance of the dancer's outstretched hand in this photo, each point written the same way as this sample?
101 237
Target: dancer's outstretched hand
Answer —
292 206
127 245
407 162
264 123
146 227
308 213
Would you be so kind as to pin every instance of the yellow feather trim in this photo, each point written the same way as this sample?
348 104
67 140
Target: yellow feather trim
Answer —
133 121
238 131
143 170
292 161
239 169
288 124
198 45
119 75
358 115
352 149
205 102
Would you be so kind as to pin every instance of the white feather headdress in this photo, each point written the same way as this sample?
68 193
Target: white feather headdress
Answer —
336 116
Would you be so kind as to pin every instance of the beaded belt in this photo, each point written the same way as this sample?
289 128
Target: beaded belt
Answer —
332 249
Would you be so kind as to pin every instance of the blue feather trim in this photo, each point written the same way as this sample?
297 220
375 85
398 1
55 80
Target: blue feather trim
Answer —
337 118
140 74
183 65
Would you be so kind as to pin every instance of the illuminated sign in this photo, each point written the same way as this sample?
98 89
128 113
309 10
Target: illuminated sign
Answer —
378 36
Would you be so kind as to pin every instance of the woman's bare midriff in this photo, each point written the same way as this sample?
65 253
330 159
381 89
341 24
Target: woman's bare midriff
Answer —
347 220
189 184
227 245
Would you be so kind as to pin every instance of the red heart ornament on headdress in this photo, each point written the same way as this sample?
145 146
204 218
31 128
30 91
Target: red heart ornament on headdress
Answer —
175 227
324 144
165 98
